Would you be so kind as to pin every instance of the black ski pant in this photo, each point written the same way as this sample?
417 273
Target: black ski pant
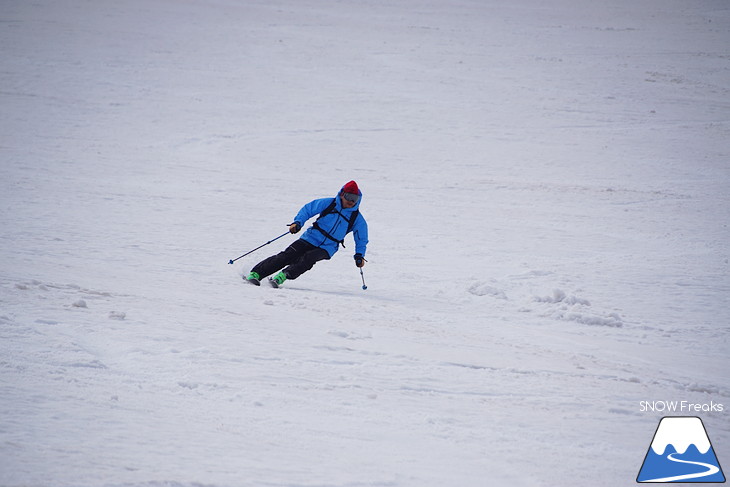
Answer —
298 258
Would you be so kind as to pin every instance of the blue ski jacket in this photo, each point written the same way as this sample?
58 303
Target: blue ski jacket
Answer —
335 224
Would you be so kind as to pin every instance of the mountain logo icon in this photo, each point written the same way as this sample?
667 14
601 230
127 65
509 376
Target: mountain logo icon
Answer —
680 452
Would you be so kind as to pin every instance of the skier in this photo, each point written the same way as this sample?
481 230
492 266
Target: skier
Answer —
338 216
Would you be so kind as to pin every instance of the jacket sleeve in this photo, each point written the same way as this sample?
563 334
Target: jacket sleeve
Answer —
311 209
360 234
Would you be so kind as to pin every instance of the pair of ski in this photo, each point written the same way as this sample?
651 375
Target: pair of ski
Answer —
256 282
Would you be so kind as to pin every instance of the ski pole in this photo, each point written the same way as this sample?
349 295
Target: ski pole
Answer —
364 286
254 250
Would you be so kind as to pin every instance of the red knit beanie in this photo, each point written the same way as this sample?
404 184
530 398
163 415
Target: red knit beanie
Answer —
351 187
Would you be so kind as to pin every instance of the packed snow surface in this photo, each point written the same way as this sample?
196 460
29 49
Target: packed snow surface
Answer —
547 187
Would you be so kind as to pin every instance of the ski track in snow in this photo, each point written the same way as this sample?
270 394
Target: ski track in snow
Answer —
547 194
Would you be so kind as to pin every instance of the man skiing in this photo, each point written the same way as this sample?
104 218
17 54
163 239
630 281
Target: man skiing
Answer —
338 216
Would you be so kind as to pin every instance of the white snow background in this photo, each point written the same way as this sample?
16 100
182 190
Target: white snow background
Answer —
547 187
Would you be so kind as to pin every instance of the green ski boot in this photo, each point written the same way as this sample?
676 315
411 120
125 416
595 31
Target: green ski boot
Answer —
278 279
253 278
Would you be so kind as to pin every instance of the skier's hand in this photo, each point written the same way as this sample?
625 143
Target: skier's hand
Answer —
295 227
359 260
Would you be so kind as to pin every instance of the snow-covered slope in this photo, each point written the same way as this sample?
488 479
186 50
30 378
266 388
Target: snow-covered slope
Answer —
547 189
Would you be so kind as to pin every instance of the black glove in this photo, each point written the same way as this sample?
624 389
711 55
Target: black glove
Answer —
294 227
359 260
